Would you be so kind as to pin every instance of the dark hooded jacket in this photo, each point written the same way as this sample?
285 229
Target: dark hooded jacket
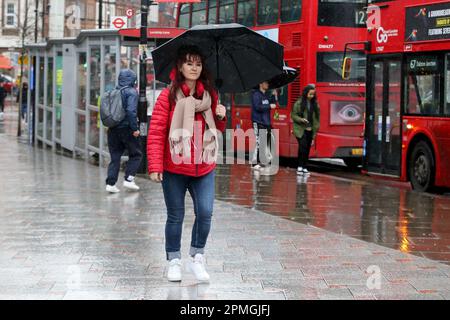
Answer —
130 98
261 107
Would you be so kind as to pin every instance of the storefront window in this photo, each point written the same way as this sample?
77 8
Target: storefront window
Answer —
423 89
267 12
246 13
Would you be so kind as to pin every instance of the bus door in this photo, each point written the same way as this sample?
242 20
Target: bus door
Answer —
383 121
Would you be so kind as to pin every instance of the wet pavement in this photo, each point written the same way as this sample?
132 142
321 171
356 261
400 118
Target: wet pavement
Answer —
63 237
398 218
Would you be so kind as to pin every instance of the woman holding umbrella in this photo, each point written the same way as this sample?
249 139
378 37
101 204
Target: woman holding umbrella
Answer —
306 117
182 150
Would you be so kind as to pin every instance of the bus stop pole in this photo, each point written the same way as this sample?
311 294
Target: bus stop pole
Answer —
142 108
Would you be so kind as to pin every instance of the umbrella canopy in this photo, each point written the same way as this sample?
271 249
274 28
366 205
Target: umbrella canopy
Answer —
5 63
289 75
237 57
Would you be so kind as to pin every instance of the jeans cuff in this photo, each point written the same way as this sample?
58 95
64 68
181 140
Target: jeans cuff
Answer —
173 255
193 251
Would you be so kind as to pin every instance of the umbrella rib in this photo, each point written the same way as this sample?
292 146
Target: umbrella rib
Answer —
236 66
251 48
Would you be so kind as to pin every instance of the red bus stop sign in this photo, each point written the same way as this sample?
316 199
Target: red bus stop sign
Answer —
118 23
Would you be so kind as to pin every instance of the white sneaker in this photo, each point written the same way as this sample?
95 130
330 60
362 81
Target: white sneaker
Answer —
174 273
112 189
256 167
131 185
300 171
197 267
305 171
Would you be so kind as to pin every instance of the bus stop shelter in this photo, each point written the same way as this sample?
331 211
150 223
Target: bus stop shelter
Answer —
67 78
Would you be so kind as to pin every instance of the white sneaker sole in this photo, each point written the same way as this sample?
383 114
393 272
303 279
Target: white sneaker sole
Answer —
131 188
174 279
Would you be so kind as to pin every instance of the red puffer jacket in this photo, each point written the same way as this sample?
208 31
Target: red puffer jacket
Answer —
158 149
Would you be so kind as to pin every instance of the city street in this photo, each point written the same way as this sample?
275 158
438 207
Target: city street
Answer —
273 237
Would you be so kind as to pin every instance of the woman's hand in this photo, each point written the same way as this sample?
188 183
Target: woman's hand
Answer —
156 176
221 111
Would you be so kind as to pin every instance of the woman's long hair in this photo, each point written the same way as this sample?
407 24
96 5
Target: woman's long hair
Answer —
178 79
314 105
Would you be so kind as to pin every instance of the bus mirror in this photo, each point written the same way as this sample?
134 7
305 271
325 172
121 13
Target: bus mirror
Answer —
346 68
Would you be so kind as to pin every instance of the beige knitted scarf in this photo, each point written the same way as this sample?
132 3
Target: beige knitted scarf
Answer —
182 127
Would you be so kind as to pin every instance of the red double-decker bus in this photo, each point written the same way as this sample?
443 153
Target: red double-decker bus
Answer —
314 34
408 92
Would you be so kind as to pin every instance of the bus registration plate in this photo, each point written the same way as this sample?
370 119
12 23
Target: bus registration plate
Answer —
357 152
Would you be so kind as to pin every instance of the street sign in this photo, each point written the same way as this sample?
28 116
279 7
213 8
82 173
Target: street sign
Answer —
118 22
24 60
130 13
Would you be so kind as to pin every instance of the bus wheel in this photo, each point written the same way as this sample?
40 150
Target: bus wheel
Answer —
421 167
352 163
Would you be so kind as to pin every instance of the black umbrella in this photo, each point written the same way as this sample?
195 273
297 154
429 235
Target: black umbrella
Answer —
289 75
237 57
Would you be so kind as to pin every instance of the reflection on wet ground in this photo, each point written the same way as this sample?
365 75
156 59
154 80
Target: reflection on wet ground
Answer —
374 210
397 218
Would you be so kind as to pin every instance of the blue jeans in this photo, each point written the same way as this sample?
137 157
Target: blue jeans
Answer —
24 112
119 140
202 191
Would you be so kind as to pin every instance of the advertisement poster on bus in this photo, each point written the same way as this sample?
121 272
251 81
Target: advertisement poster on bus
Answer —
428 22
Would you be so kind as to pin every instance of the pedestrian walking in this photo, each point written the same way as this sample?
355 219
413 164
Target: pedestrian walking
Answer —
182 150
3 95
306 117
125 136
23 107
262 103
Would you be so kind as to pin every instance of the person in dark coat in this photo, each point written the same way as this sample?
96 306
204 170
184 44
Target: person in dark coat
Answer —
24 101
125 136
3 95
262 103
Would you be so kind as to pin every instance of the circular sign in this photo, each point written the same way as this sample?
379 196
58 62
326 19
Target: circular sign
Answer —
118 23
130 13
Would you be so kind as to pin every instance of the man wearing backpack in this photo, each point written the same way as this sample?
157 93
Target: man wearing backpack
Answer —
125 136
